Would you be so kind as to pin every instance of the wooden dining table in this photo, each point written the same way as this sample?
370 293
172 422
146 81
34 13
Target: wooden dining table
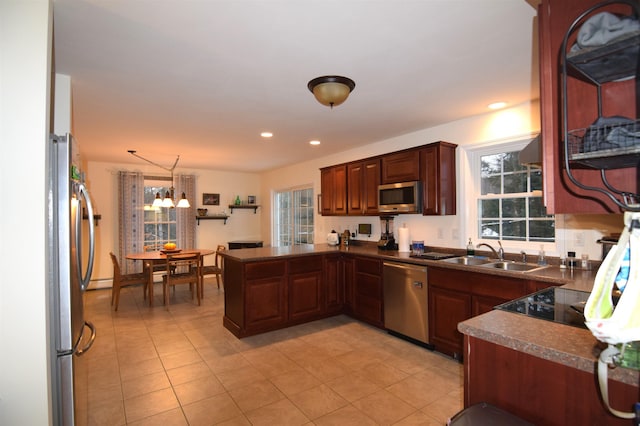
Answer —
151 258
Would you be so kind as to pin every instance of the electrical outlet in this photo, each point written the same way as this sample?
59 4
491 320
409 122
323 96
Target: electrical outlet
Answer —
579 239
440 233
455 234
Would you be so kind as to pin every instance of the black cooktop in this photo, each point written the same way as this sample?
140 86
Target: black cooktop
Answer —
555 304
432 255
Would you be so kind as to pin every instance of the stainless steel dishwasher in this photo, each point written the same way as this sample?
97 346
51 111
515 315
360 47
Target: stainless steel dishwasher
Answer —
406 302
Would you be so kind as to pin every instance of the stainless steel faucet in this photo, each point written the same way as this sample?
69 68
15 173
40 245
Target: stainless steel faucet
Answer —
499 254
524 256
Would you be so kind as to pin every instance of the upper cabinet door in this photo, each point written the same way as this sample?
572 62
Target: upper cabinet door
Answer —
619 98
438 167
333 182
363 178
403 166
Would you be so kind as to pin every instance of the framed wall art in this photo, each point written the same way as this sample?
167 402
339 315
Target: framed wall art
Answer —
210 199
251 199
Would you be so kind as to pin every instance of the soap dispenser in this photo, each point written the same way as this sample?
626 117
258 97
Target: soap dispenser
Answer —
470 249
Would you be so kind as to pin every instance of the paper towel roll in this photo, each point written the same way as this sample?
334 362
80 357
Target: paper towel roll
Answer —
404 242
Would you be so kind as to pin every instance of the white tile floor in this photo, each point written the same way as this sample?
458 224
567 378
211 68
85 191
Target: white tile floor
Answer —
150 366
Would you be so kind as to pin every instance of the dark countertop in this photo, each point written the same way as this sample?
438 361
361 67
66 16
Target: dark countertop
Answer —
571 346
576 279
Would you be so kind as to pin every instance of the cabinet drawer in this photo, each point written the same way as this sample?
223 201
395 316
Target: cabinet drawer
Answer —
305 264
369 266
257 270
505 288
449 278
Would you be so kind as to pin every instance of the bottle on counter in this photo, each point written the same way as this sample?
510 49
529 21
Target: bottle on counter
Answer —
470 249
572 262
584 262
541 259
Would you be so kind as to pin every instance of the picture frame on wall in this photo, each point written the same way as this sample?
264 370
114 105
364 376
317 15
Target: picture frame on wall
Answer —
251 199
210 199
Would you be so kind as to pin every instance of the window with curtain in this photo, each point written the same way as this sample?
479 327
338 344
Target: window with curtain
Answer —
293 217
159 223
140 226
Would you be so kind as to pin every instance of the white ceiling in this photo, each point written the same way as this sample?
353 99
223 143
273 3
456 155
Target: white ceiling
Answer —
202 78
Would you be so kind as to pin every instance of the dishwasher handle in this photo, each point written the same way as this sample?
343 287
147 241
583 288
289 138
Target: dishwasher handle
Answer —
405 266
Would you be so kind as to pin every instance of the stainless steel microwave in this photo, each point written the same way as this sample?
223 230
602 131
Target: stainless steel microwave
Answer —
404 197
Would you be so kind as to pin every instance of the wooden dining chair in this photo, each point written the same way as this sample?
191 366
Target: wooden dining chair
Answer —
216 268
182 268
157 267
124 280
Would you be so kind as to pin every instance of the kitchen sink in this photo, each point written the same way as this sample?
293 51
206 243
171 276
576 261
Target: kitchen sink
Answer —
468 260
513 266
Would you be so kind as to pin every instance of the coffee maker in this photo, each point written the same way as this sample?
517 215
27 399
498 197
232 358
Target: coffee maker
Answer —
387 241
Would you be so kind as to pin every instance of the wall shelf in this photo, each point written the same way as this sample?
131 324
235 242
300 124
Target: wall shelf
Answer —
199 218
244 206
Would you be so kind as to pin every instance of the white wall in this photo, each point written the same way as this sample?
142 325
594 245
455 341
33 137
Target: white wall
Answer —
577 233
102 181
25 58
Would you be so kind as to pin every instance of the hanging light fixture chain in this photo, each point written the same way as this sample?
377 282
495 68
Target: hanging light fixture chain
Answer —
183 201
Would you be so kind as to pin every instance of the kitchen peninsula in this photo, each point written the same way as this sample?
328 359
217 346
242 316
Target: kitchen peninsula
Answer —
269 288
544 369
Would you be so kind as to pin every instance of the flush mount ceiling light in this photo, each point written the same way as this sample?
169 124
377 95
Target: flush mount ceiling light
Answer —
331 90
167 201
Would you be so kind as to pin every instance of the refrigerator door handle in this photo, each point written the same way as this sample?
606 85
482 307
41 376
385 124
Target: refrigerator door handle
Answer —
81 351
83 192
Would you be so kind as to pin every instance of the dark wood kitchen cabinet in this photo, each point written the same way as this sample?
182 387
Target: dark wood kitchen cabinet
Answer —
542 392
447 307
306 293
401 166
265 297
352 188
367 291
455 296
363 178
438 176
333 198
619 98
348 276
334 283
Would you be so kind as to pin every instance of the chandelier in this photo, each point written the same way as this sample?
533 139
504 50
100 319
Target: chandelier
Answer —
167 201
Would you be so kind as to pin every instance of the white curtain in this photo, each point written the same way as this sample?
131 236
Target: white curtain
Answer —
185 218
131 219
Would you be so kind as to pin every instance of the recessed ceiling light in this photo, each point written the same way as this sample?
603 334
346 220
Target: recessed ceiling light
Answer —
266 134
314 142
497 105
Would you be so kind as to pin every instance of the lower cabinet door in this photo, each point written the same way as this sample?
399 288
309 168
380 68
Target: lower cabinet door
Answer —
333 284
446 309
265 304
367 299
483 304
305 296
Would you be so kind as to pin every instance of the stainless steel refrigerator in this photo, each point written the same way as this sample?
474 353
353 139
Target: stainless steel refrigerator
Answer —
71 257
